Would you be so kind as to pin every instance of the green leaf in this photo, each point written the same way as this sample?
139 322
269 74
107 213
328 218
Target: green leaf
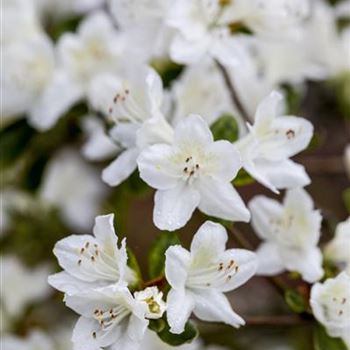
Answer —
187 336
322 341
242 179
157 325
13 142
225 128
295 301
133 264
156 257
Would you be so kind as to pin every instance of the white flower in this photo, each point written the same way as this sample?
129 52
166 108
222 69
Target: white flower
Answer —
338 250
143 23
199 278
330 303
271 141
23 286
290 233
91 261
201 32
110 316
154 300
79 200
36 340
133 102
95 49
193 172
201 89
98 145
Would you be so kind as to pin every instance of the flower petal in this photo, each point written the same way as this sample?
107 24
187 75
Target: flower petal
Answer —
212 305
307 263
176 266
193 130
264 209
156 168
83 338
121 168
173 208
104 230
56 99
180 306
210 239
269 260
247 264
221 200
228 160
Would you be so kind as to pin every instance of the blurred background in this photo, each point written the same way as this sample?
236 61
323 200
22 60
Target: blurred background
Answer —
49 190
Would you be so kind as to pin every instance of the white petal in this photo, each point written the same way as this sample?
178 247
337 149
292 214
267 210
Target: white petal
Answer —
308 263
156 167
186 52
57 98
193 130
153 131
82 334
264 209
67 251
213 306
177 263
137 328
269 260
221 200
173 208
287 137
268 109
121 168
125 134
247 265
104 230
279 175
210 237
227 158
180 306
298 199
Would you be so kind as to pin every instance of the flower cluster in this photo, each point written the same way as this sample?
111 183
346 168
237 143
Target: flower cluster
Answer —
188 96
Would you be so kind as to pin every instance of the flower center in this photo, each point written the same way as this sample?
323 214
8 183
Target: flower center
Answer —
191 168
153 306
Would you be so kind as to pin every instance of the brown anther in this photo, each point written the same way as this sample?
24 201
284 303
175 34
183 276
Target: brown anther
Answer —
290 134
197 166
340 312
96 312
192 172
343 301
110 111
92 258
185 170
208 284
87 245
127 91
82 250
188 159
96 252
94 335
79 262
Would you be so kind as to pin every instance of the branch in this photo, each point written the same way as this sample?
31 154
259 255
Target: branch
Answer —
233 93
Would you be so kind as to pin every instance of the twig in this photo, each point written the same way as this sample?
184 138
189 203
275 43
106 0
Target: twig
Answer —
233 93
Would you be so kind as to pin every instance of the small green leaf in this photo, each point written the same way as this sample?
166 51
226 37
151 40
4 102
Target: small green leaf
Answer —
133 264
187 336
322 341
157 325
295 301
225 128
156 257
242 179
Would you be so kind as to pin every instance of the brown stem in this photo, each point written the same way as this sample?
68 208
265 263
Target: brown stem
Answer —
159 281
233 93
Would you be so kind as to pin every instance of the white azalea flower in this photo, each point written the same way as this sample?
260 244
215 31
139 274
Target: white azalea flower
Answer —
271 141
91 261
338 250
98 145
205 26
78 201
23 286
134 103
37 340
143 23
199 278
95 49
330 303
154 300
193 172
290 233
201 89
110 316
